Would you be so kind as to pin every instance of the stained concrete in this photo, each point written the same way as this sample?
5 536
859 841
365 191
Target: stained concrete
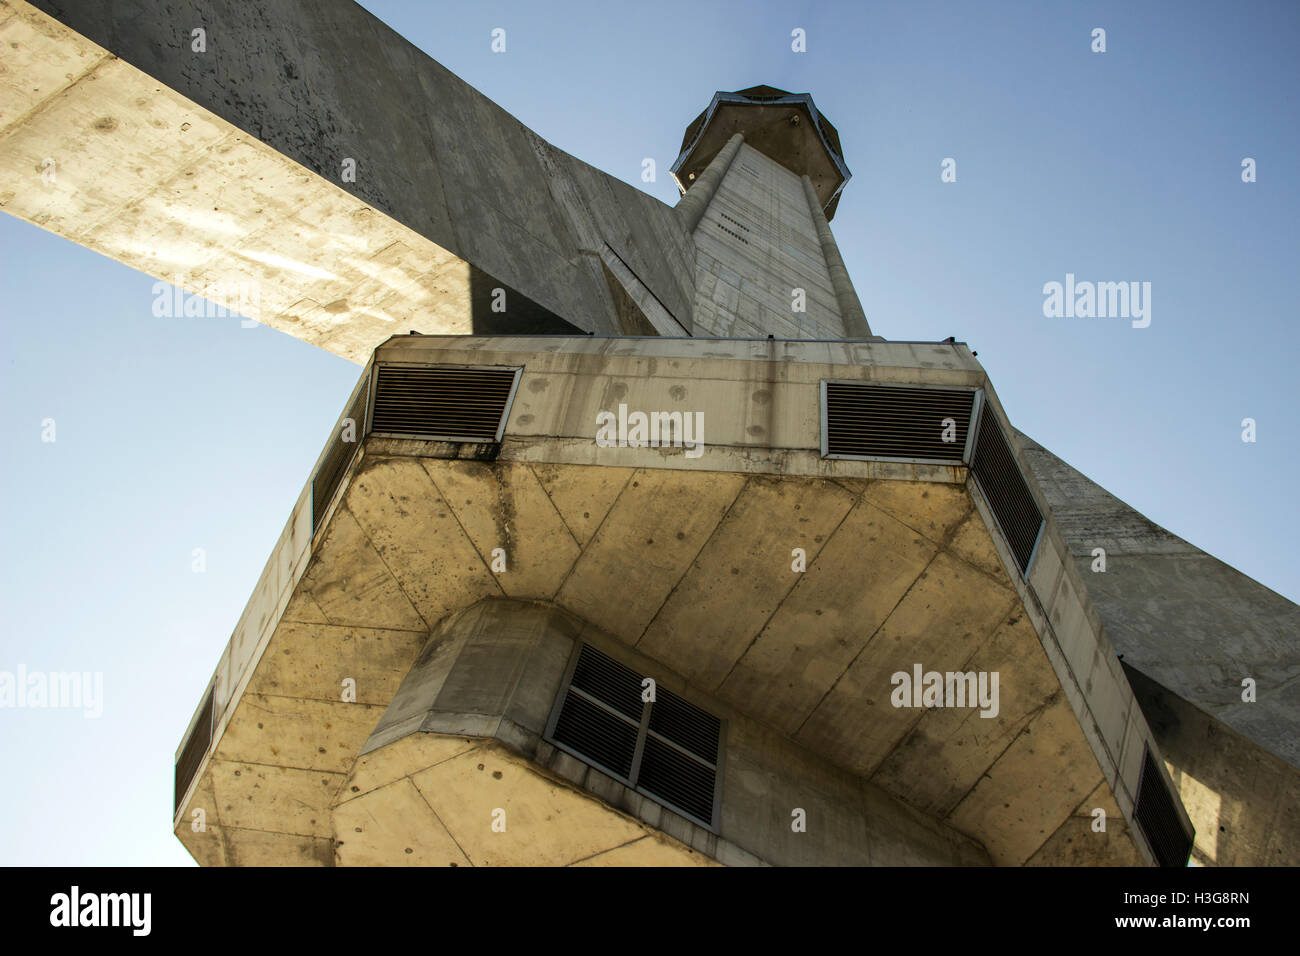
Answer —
1244 801
493 672
184 165
1180 616
181 164
226 167
1190 628
650 548
756 244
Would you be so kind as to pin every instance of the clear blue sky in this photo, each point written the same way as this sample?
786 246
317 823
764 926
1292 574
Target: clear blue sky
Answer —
175 434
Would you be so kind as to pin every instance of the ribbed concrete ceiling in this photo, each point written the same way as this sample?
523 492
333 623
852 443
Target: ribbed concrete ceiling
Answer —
694 569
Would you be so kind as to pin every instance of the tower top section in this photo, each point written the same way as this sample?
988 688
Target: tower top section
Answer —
784 126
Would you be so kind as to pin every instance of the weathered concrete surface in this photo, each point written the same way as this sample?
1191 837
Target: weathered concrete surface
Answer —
943 764
494 670
759 398
484 806
756 244
225 167
222 171
653 548
1185 619
1244 801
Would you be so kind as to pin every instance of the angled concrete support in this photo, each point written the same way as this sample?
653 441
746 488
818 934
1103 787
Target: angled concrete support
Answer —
697 198
855 320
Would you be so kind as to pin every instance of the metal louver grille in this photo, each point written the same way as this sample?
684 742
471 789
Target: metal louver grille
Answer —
444 403
928 425
999 477
667 749
686 725
684 784
602 712
340 454
595 733
1158 817
195 747
681 753
610 682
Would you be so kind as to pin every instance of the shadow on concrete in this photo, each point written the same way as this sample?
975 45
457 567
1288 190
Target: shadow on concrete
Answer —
497 309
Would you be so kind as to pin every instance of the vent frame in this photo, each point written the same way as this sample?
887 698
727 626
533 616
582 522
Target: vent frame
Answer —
631 780
361 395
968 449
1152 782
1007 496
449 366
204 717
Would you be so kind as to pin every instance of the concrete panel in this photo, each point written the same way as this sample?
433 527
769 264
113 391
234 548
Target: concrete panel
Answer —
582 496
641 541
949 749
393 761
522 522
741 576
393 825
312 660
236 846
824 622
972 542
278 799
302 734
351 585
855 723
1078 842
928 842
1028 793
545 823
416 535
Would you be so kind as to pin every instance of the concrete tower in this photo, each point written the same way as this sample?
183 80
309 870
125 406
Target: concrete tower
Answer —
645 550
761 173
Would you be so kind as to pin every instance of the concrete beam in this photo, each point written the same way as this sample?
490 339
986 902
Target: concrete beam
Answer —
226 168
851 314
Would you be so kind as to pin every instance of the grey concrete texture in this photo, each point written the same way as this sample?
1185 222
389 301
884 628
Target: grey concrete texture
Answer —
222 166
846 297
581 250
568 380
496 668
757 244
1183 618
404 548
320 82
700 196
1244 800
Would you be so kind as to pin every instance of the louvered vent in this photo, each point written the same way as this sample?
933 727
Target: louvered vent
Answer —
601 716
999 477
681 753
1158 817
340 454
928 425
444 403
195 747
666 749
